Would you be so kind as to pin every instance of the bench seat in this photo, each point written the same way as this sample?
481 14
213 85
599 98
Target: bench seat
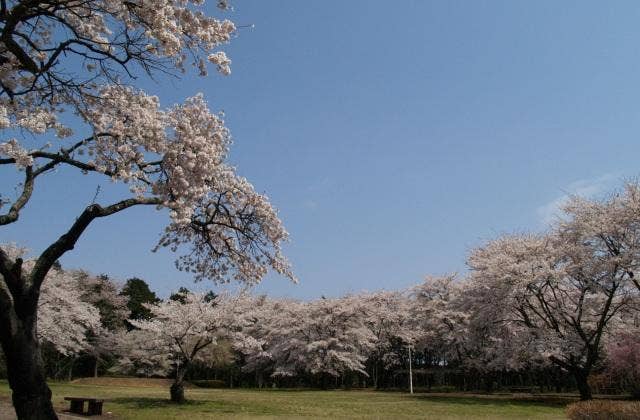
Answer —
77 405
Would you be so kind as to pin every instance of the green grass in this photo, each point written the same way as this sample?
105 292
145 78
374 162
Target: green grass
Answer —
152 403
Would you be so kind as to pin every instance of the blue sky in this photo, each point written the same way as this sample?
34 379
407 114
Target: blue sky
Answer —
394 136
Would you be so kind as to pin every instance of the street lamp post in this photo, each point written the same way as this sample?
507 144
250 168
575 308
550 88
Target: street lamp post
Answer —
410 372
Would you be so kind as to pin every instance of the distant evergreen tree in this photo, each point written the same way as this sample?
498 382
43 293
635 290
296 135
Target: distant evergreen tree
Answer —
210 296
182 292
139 293
180 295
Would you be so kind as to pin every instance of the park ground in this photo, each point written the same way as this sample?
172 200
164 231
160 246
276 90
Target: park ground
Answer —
149 400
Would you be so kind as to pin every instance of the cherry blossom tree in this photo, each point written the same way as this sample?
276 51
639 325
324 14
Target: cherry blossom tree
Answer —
324 337
490 344
105 295
263 315
64 61
140 353
623 360
458 333
65 319
443 323
180 332
390 317
558 287
609 227
275 327
68 324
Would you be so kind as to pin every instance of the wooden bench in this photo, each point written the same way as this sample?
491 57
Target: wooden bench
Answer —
77 405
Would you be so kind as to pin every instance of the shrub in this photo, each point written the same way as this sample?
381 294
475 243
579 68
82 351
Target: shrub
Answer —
605 383
211 383
623 361
603 410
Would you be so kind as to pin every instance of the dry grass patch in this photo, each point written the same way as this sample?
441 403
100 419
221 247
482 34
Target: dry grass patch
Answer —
604 410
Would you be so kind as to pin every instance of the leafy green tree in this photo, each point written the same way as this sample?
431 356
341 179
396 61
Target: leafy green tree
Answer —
139 293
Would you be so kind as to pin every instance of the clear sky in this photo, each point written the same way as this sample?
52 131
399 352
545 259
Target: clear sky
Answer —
394 136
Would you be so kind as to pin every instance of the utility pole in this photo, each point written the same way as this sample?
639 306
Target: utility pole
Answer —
410 372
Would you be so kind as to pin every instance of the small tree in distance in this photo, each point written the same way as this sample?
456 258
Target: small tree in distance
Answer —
182 329
77 61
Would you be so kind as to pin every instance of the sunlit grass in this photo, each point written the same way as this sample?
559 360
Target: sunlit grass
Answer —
152 403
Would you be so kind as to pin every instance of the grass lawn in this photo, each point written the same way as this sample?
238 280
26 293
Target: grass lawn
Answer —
150 402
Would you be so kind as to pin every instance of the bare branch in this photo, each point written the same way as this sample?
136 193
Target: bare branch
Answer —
67 241
27 190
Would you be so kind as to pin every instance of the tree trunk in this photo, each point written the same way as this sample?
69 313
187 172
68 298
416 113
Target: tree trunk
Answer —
177 393
583 384
375 374
177 388
95 368
580 373
70 374
19 293
30 394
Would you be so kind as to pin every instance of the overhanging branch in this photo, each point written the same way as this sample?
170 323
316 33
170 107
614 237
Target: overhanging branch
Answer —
27 189
67 241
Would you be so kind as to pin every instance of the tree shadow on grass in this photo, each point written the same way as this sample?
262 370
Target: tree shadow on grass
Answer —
142 403
498 401
197 406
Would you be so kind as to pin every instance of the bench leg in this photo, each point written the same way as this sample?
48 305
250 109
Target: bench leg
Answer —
95 408
77 407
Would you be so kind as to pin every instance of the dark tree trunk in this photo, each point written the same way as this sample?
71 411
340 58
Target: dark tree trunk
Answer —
324 381
177 392
177 388
30 394
19 293
580 373
583 384
70 373
375 374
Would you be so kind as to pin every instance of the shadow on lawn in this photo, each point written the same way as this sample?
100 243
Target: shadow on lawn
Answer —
142 402
498 401
199 406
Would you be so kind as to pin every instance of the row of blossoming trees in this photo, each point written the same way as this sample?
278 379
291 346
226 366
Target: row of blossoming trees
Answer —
536 307
70 104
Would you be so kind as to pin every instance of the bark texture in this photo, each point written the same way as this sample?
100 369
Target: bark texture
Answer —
30 394
177 388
